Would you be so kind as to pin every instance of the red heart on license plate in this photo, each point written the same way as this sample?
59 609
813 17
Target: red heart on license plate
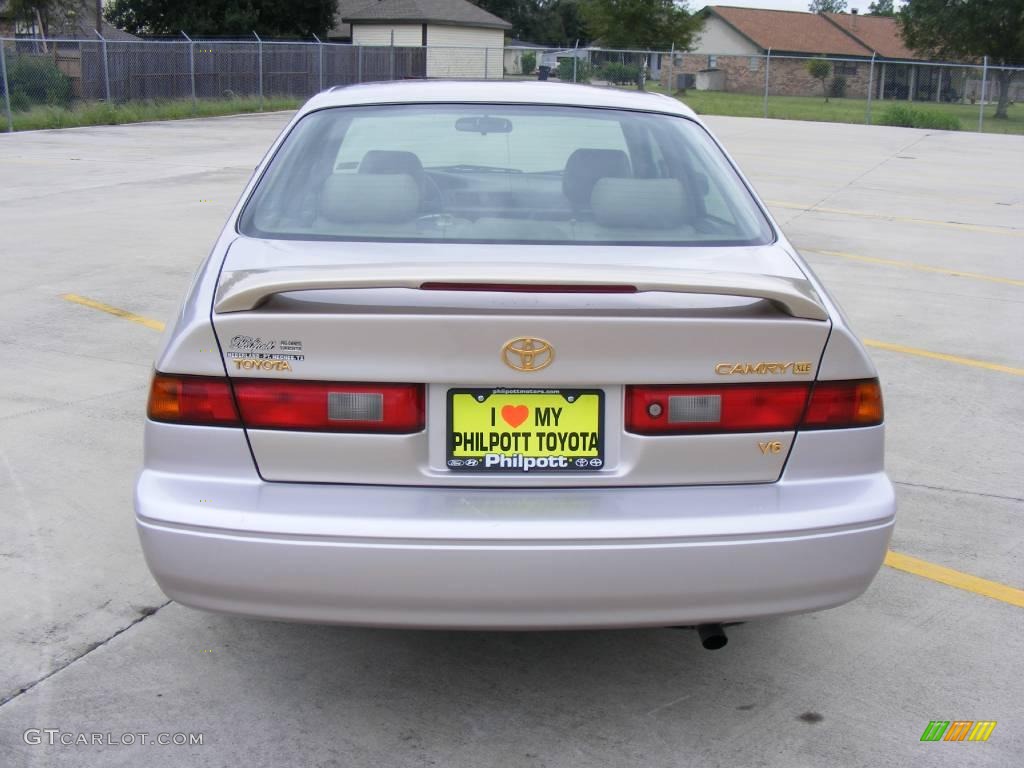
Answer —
515 414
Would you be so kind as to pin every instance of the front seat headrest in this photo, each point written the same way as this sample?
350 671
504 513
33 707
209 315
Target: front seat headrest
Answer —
391 161
583 169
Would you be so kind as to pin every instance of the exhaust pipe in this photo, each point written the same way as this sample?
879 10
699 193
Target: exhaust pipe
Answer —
712 636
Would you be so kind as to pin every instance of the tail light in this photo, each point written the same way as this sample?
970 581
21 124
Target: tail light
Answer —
192 400
299 405
838 404
775 407
686 410
328 407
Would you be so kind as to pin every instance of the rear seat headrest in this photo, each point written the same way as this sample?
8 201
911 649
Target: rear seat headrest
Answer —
639 203
369 198
583 169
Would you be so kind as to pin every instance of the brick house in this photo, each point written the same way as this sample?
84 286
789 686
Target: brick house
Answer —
735 41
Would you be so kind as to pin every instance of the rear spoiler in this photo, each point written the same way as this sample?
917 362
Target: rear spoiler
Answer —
244 290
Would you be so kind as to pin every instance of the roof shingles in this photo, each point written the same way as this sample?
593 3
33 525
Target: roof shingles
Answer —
790 31
879 33
456 12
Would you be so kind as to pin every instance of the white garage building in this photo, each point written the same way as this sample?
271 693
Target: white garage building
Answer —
462 39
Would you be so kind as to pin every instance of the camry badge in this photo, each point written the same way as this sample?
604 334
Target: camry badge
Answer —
527 354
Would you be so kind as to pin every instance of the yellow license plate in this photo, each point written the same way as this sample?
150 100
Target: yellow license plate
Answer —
525 430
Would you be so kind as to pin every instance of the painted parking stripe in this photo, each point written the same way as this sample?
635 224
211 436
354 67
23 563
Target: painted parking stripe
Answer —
992 230
124 314
944 357
896 560
943 575
919 267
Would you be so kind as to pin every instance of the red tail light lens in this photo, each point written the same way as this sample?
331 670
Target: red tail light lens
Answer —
192 400
694 410
699 410
839 404
330 407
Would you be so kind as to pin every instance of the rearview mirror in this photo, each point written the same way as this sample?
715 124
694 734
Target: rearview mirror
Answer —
483 125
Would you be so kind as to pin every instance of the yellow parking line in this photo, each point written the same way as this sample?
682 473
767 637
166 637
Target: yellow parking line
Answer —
942 356
919 267
951 578
902 219
124 314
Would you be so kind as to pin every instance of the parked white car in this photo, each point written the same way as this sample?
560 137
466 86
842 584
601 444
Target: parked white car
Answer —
509 355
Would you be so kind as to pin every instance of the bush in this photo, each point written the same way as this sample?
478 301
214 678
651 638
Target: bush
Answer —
619 74
583 71
529 62
908 117
837 88
820 69
37 80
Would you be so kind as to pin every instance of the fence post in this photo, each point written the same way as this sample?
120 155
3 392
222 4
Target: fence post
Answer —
191 67
392 51
767 77
7 90
871 89
320 50
259 55
359 63
671 64
106 65
981 101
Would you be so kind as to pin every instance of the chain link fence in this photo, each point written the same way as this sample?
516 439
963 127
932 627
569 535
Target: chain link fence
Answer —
66 74
838 89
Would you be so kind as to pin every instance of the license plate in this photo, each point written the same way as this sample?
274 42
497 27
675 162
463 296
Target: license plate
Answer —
525 430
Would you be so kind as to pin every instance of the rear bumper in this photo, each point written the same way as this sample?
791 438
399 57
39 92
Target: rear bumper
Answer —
513 586
507 558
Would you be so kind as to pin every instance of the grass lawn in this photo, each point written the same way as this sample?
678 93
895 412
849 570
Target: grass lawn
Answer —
137 112
840 110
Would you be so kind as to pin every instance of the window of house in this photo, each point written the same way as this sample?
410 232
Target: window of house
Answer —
754 63
846 68
712 62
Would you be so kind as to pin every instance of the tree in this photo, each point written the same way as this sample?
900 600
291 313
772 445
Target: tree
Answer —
969 29
882 8
271 18
45 13
649 24
820 69
827 6
540 21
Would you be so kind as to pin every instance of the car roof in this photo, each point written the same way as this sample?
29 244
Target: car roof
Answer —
496 92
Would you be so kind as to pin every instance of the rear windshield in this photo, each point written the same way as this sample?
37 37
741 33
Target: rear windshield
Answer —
502 174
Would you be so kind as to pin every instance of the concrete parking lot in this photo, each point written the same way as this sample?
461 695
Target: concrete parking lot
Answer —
919 234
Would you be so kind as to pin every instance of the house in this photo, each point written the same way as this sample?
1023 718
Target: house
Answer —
463 39
514 50
730 55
